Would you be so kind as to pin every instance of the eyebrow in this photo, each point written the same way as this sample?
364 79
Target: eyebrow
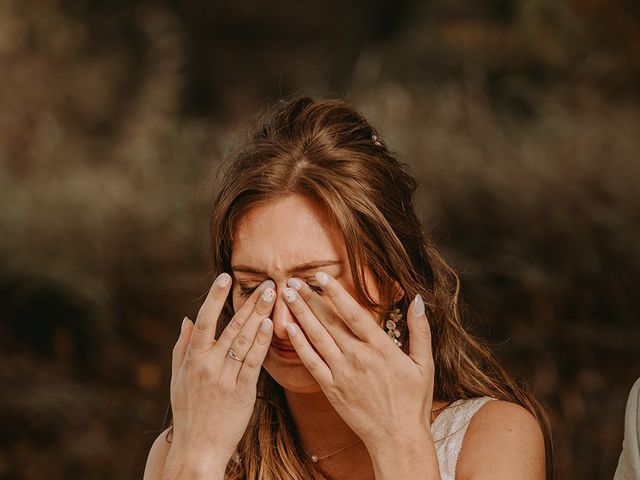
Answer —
304 267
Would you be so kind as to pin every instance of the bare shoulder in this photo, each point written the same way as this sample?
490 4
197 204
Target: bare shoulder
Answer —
157 457
504 440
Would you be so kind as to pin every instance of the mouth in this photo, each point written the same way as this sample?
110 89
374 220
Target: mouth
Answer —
285 348
285 351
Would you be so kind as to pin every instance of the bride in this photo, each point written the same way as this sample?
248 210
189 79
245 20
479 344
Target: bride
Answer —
326 279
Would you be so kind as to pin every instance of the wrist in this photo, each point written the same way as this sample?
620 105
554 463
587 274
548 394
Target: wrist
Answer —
417 437
405 455
187 464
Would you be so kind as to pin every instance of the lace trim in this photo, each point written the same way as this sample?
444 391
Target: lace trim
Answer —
448 430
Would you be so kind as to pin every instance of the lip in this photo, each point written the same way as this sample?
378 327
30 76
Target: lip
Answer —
285 353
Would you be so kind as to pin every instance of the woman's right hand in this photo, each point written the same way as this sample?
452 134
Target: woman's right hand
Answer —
213 395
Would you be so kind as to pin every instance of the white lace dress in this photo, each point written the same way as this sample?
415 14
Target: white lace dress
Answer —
448 430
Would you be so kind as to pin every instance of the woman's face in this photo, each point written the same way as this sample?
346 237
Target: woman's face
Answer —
271 242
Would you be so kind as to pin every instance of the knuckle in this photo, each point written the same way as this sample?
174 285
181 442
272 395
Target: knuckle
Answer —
330 320
252 363
351 318
192 367
263 337
335 394
313 366
316 337
202 369
234 325
330 292
202 324
382 349
358 363
188 361
243 340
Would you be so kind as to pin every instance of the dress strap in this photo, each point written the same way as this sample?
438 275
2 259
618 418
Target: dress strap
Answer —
448 431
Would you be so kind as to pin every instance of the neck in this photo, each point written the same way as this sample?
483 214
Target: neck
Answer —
320 428
322 431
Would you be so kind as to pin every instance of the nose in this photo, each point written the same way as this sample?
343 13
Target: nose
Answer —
281 315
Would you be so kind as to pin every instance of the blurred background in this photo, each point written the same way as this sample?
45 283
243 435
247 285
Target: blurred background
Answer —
521 119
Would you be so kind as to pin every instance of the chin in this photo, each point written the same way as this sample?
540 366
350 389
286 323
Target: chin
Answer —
293 377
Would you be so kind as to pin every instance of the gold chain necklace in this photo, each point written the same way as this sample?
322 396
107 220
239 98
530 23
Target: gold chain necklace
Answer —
316 458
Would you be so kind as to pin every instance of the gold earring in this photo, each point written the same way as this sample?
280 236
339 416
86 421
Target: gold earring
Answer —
392 323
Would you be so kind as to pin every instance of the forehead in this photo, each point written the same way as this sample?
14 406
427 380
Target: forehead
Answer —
285 232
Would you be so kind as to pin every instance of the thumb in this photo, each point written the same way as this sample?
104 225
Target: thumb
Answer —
419 333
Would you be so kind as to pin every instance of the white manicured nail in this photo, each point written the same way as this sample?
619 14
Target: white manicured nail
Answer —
291 329
223 280
295 283
322 278
418 305
266 324
290 294
268 294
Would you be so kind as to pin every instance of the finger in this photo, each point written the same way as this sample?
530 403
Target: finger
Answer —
180 348
250 304
420 348
311 360
323 312
262 309
351 312
204 330
243 341
250 368
241 345
313 329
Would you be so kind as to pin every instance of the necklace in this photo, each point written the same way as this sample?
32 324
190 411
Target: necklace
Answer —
316 458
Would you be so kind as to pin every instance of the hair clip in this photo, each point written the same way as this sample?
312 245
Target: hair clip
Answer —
374 137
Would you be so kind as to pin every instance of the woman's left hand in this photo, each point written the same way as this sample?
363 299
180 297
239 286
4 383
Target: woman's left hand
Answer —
379 391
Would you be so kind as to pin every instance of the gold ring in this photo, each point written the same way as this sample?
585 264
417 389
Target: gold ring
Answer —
234 355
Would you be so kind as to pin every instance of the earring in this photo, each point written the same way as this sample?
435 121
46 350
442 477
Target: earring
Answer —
391 324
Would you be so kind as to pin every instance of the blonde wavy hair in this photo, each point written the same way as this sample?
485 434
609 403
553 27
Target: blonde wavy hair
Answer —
323 149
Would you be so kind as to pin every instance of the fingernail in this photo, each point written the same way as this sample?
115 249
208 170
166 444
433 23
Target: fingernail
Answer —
290 294
295 283
266 284
184 323
418 305
268 294
291 330
322 278
266 324
223 280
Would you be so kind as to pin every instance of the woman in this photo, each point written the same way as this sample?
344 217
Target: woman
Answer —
328 281
629 462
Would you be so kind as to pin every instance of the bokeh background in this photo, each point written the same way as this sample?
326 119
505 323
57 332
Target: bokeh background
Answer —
521 119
